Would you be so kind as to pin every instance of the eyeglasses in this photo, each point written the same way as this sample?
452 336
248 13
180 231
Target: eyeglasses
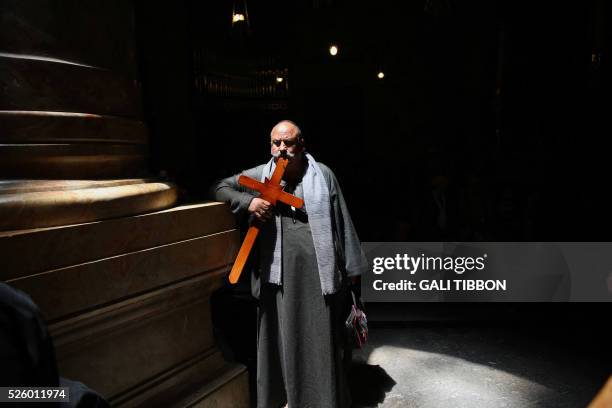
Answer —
288 143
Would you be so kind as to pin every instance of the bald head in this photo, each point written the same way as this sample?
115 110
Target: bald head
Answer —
286 127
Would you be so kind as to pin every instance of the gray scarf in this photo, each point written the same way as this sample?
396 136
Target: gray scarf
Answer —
316 198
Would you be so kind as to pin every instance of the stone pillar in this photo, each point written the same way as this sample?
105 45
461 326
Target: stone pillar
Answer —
127 298
73 143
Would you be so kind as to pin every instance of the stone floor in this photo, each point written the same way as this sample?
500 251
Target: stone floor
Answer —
439 355
467 365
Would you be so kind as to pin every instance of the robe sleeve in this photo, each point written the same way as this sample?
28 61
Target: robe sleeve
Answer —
348 246
230 191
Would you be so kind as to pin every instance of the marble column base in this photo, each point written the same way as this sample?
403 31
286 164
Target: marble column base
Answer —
26 204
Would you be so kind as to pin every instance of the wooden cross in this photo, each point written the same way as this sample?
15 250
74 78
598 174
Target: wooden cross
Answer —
271 191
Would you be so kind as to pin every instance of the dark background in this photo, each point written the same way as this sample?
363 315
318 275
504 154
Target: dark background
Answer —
498 107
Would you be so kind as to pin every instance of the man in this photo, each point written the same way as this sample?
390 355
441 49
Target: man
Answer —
306 258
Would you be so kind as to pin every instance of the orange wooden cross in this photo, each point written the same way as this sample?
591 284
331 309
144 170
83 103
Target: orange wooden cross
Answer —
271 191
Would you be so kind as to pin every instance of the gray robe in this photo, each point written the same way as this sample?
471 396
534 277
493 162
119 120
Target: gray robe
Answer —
351 259
300 331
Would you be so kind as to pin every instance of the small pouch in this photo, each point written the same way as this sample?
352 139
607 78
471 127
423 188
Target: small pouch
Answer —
357 325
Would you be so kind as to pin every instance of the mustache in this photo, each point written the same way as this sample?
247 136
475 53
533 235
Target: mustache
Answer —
285 153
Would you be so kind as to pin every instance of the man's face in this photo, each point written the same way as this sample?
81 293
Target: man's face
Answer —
284 141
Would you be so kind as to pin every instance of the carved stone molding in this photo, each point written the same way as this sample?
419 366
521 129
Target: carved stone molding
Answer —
44 203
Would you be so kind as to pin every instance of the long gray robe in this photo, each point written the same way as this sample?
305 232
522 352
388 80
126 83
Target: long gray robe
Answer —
299 338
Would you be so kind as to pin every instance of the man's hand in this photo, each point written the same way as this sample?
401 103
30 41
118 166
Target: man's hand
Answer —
261 209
